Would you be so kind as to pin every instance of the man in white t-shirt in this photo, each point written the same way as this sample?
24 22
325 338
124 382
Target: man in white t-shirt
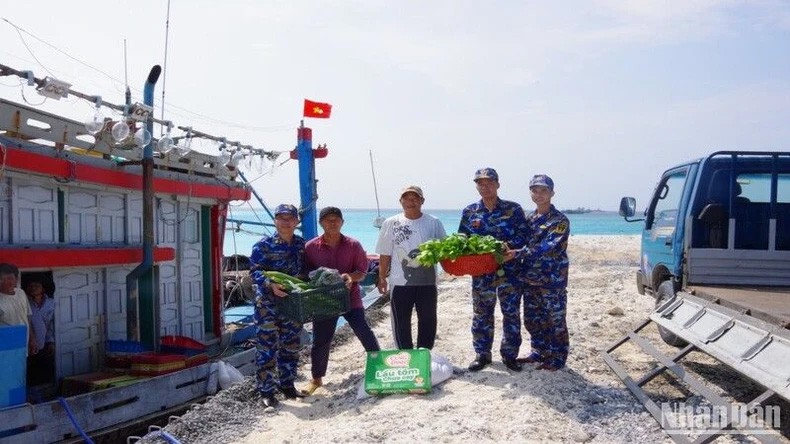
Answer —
412 285
14 307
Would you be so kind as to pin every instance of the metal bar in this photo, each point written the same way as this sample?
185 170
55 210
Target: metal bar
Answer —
756 348
624 339
640 394
719 332
709 436
679 372
695 318
649 376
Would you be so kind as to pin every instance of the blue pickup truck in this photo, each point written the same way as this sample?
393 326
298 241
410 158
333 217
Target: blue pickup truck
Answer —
719 228
715 255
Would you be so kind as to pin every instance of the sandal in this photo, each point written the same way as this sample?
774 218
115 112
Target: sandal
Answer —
311 387
549 367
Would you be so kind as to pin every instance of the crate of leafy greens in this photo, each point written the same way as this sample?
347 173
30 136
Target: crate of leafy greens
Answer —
310 301
461 254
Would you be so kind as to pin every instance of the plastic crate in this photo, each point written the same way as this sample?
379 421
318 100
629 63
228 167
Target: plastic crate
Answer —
154 364
88 382
118 346
316 304
118 354
181 345
195 360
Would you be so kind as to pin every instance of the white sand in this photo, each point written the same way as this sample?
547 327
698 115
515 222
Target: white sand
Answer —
584 402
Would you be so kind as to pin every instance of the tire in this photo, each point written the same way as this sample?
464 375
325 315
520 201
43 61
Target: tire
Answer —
666 291
640 286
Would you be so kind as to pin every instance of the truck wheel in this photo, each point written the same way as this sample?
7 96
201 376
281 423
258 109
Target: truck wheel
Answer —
666 291
640 284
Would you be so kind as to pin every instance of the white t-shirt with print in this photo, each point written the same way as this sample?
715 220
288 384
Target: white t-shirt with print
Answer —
399 237
15 310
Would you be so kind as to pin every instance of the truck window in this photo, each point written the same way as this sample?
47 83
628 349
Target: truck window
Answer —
783 212
754 188
783 189
753 211
664 208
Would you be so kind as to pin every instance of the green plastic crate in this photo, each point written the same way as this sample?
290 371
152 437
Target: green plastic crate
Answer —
316 304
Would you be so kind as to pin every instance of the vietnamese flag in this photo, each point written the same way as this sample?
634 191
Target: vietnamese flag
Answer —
317 109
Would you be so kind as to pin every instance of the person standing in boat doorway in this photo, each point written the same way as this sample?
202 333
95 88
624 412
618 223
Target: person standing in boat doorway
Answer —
41 365
14 307
545 276
504 220
334 250
278 338
413 286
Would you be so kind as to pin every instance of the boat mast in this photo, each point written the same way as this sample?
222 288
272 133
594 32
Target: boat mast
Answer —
375 186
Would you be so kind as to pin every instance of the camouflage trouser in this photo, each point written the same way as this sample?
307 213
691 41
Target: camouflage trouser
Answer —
484 299
277 347
544 318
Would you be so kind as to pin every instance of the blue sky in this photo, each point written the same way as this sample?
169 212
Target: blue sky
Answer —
600 95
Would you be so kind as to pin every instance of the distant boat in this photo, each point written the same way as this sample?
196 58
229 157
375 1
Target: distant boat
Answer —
578 210
379 218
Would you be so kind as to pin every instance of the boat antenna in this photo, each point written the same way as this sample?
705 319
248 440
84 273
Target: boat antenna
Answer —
126 75
164 64
377 222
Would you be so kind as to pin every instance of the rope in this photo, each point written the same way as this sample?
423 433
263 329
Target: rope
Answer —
74 421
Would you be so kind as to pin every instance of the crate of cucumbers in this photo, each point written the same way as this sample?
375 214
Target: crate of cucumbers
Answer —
461 254
324 296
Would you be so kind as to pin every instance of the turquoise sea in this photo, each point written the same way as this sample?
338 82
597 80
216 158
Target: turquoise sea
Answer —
359 225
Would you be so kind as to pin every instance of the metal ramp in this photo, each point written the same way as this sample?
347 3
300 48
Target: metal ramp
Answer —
757 350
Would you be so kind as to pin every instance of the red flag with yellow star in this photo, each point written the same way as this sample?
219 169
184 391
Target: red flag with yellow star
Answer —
317 109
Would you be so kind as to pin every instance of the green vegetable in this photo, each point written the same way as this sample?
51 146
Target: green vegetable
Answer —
289 283
458 244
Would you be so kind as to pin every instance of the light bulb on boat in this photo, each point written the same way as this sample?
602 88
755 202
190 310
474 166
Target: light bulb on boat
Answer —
120 131
184 147
165 144
95 122
262 163
234 159
142 137
224 157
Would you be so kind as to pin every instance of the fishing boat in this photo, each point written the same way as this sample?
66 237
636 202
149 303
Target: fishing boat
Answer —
128 240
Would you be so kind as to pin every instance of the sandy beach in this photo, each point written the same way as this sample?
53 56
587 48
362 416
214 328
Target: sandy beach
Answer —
585 402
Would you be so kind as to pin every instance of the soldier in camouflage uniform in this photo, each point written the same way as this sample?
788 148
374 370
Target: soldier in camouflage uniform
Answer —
545 277
277 349
505 221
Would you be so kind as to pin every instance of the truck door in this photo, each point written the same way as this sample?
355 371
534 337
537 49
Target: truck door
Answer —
664 227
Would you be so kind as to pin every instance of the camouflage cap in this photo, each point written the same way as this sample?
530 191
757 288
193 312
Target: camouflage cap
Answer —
542 180
486 173
286 209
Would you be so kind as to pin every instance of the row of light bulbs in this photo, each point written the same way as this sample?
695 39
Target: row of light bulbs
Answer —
120 131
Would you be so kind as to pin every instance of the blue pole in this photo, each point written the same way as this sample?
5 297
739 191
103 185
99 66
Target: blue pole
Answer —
307 182
132 291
